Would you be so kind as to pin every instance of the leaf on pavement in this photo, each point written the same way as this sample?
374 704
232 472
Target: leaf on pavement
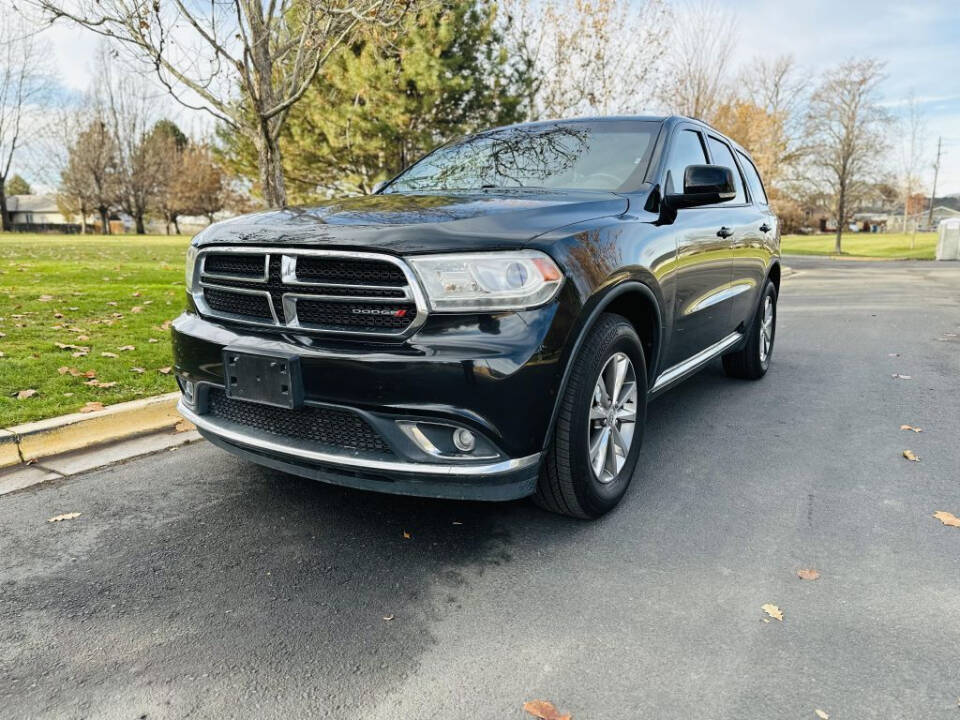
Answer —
406 535
808 574
911 427
388 618
911 456
65 516
773 611
91 407
544 709
947 518
821 714
24 394
898 376
184 426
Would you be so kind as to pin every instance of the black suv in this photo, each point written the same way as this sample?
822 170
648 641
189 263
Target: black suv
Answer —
491 323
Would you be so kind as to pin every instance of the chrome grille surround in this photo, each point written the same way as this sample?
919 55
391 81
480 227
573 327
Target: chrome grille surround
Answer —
296 288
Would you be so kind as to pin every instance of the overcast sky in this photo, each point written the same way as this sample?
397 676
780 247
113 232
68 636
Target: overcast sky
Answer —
919 40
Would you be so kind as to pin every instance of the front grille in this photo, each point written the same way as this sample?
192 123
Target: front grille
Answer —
329 293
353 315
331 427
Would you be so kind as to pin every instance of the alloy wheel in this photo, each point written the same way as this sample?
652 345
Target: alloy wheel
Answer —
613 417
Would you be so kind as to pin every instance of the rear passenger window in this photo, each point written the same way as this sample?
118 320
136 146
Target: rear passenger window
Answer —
722 156
753 179
686 149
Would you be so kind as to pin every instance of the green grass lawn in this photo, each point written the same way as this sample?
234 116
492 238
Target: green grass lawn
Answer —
99 297
876 245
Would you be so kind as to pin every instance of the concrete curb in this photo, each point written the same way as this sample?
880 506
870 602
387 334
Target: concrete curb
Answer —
55 436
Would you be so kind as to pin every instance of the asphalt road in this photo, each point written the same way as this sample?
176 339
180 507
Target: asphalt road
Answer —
196 585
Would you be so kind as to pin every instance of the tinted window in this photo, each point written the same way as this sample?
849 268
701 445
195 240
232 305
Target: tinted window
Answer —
686 149
610 155
722 156
753 179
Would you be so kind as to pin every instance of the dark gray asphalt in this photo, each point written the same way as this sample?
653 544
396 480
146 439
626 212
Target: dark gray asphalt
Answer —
196 585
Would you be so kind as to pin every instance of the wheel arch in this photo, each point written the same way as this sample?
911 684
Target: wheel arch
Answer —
640 305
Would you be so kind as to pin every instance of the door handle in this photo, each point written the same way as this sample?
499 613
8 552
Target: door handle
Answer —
724 232
765 228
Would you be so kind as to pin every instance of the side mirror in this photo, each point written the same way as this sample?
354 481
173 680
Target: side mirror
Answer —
703 185
378 187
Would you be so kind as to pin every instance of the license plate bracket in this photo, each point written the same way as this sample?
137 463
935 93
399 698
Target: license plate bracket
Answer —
263 377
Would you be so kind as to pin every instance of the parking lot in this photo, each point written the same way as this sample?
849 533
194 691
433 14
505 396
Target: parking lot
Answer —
197 585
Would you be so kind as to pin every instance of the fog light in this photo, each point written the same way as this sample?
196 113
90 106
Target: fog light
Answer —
464 440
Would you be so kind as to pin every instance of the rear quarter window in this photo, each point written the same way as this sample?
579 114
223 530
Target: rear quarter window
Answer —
753 179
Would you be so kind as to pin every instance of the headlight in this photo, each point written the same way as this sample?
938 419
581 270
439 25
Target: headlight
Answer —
481 282
191 263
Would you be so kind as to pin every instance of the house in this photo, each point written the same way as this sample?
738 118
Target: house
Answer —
38 213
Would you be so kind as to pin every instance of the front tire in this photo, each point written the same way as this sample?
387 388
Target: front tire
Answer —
753 359
595 446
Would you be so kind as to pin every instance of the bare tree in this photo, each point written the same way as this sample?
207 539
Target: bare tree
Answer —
22 81
845 126
89 181
127 105
588 56
200 187
699 59
268 51
911 130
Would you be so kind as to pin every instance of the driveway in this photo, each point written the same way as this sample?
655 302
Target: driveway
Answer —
196 585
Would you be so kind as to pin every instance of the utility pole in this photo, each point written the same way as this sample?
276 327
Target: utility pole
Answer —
936 171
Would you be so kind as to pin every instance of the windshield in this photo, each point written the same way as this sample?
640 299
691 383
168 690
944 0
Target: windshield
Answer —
596 155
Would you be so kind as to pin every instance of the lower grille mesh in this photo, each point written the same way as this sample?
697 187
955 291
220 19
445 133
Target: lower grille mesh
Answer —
234 303
355 315
339 429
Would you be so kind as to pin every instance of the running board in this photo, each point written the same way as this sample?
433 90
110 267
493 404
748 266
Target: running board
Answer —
689 366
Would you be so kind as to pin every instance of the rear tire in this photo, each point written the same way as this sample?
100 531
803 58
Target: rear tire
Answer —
753 359
581 476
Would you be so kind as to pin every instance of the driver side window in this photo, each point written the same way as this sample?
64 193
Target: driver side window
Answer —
686 149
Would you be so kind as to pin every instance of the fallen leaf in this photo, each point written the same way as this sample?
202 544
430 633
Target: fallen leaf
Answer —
821 714
152 340
45 298
58 315
68 346
29 393
136 294
166 324
544 709
1 354
83 338
126 348
165 370
136 309
65 516
808 574
911 456
406 535
773 611
946 518
63 370
911 427
113 303
893 354
388 618
898 376
138 370
108 355
184 426
91 406
79 354
97 383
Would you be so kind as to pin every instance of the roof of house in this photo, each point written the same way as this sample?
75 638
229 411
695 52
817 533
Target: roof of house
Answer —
32 203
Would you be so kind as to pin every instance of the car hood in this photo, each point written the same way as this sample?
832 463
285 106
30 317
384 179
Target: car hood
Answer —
424 223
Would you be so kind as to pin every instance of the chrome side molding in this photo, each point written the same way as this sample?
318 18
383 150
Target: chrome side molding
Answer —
693 363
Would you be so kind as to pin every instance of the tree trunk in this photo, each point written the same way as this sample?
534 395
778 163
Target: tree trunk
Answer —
841 210
176 223
104 221
166 222
4 218
138 221
271 169
83 219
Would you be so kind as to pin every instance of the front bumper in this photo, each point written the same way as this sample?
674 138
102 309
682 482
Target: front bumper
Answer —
496 375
